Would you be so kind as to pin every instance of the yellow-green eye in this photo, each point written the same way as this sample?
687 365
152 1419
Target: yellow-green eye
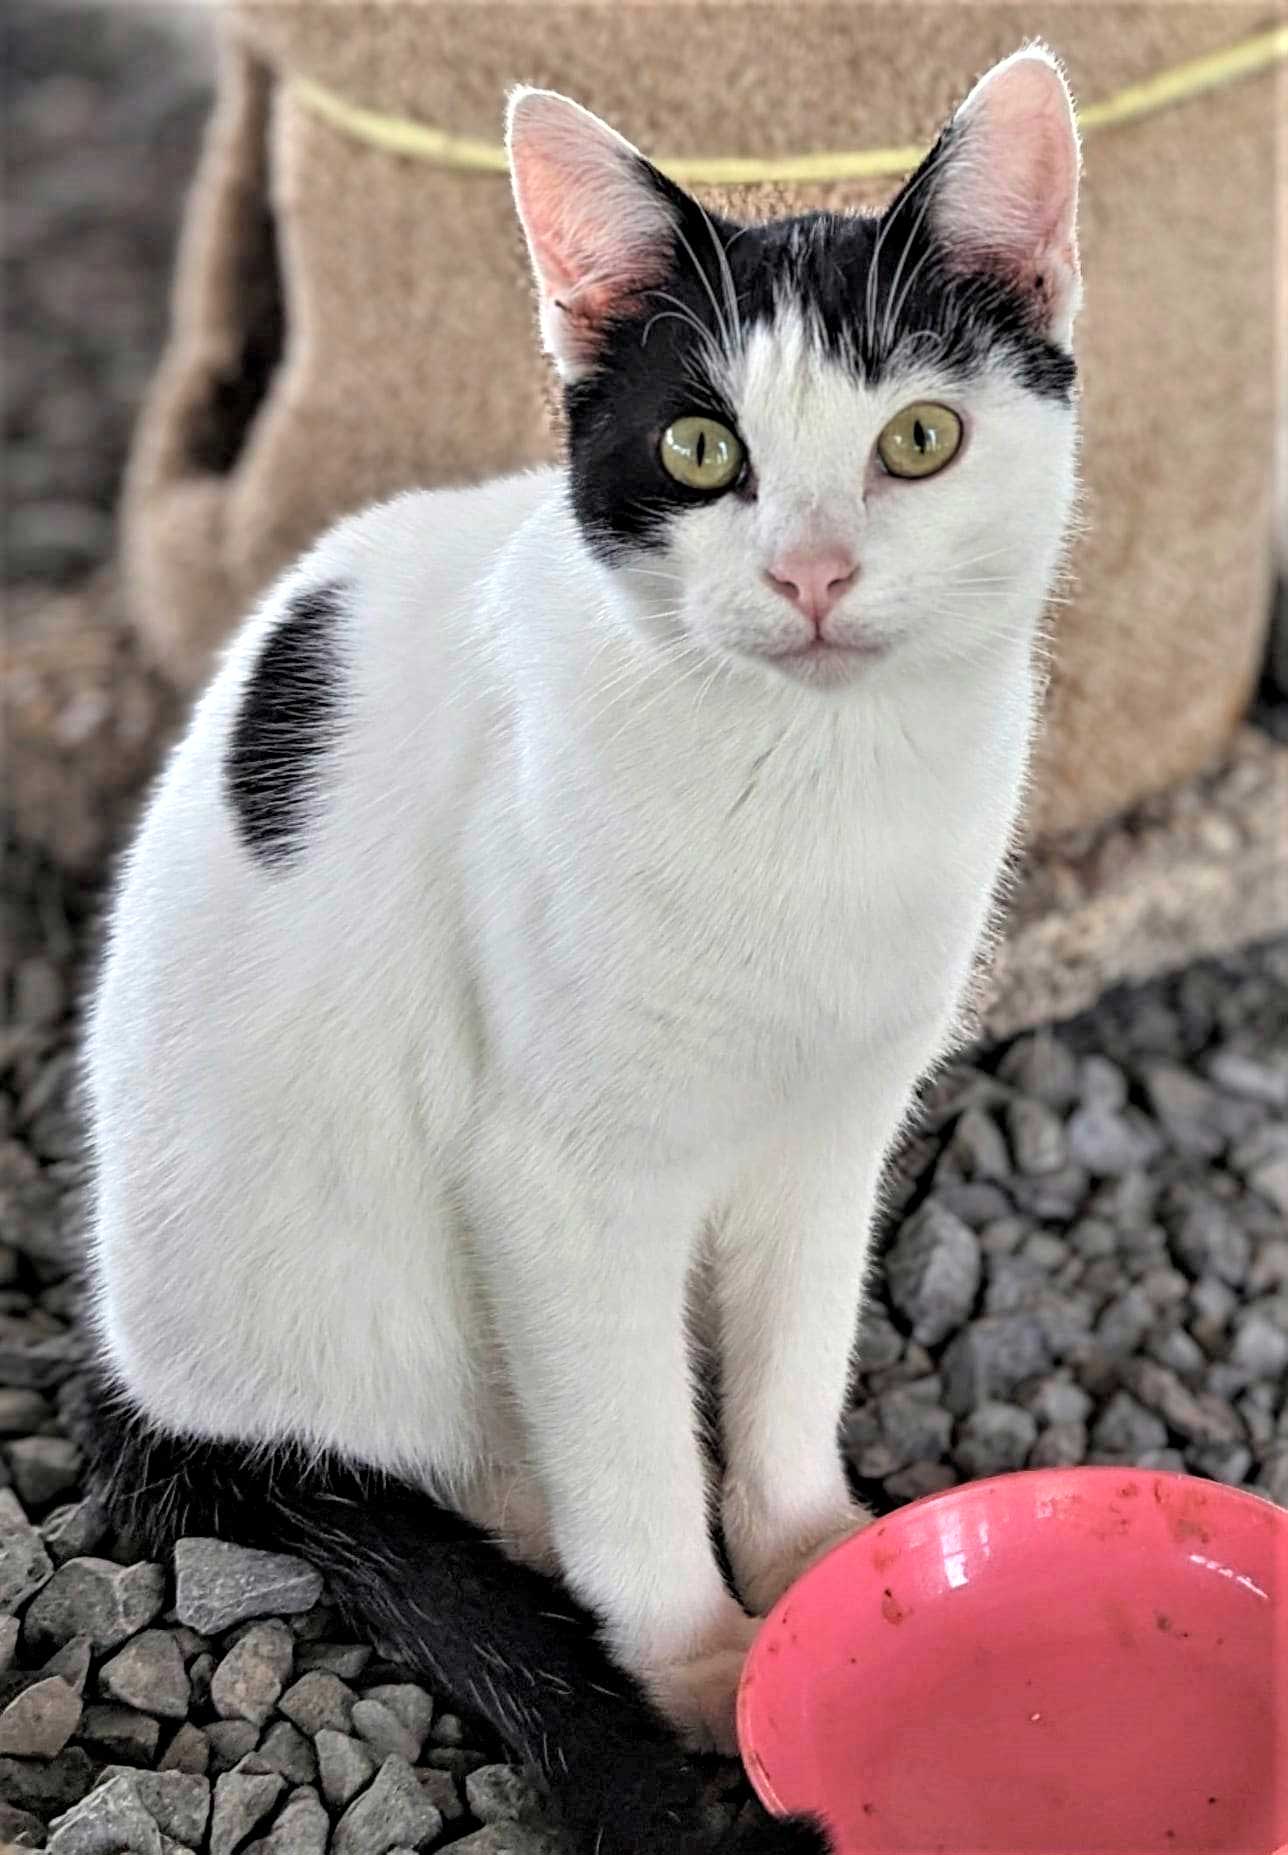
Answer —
920 440
701 453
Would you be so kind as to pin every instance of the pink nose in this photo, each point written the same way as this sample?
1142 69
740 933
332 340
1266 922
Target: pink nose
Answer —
813 582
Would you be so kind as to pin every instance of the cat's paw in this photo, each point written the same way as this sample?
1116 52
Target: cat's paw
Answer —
698 1693
766 1562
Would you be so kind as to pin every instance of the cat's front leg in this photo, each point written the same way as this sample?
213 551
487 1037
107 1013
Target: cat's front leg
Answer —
586 1283
790 1257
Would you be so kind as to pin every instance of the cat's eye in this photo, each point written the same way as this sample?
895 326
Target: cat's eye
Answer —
920 440
701 453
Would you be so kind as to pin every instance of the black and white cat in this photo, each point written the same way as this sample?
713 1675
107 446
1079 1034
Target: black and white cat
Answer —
529 955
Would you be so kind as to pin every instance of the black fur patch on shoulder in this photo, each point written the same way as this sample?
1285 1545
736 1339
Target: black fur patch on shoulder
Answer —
290 710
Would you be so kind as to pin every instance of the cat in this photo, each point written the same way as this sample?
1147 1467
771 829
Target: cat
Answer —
530 953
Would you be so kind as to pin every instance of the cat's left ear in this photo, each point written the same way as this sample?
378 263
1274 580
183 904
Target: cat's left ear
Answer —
599 220
1006 186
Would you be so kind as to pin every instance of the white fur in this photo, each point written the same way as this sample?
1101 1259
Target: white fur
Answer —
599 988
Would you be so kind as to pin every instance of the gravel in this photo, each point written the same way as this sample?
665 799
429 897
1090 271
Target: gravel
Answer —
218 1585
1085 1259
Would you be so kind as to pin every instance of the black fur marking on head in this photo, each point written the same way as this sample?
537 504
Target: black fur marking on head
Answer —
875 291
502 1641
289 712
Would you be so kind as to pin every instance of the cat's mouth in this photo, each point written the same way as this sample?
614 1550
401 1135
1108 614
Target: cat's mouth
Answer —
824 661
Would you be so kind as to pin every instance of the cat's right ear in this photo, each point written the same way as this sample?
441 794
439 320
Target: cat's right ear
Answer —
598 218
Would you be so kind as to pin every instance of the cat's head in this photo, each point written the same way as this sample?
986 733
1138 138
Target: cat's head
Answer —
824 443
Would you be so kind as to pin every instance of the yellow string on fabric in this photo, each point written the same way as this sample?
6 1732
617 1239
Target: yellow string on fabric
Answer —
400 136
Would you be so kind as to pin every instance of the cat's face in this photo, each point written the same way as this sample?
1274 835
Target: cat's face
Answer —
823 445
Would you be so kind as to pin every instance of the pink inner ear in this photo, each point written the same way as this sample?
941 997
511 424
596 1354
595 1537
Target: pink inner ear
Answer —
596 229
1010 187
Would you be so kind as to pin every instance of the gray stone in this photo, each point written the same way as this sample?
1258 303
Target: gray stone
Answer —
994 1438
345 1659
1273 1482
177 1801
1093 1238
40 1720
1271 1180
249 1680
1037 1137
974 1201
920 1478
121 1733
1102 1083
95 1598
913 1425
302 1828
1057 1196
459 1760
1058 1400
109 1821
24 1564
509 1839
1125 1322
392 1812
1213 1301
217 1585
22 1412
30 1362
1174 1348
1197 1418
1269 1266
933 1271
1260 1348
1257 1079
1169 1459
448 1730
200 1673
880 1342
70 1663
1061 1445
990 1358
8 1642
284 1749
45 1786
43 1467
1050 1253
188 1751
1228 1462
19 1829
440 1788
1108 1142
344 1766
1186 1107
1041 1065
978 1146
1166 1287
230 1741
503 1794
317 1700
384 1732
1208 1241
242 1800
148 1673
1126 1428
73 1532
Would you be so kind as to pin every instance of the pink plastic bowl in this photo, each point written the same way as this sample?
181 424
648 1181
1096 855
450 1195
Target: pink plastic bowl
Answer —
1061 1662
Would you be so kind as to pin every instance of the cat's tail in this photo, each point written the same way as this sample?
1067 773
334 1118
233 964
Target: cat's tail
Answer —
501 1640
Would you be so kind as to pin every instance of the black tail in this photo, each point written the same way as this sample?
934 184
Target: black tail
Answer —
502 1641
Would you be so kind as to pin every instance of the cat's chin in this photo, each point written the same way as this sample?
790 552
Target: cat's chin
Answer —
826 666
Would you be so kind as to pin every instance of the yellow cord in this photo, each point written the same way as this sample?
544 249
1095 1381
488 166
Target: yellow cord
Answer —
400 136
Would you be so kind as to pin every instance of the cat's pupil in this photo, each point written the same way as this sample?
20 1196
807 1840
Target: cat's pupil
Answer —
701 448
919 434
